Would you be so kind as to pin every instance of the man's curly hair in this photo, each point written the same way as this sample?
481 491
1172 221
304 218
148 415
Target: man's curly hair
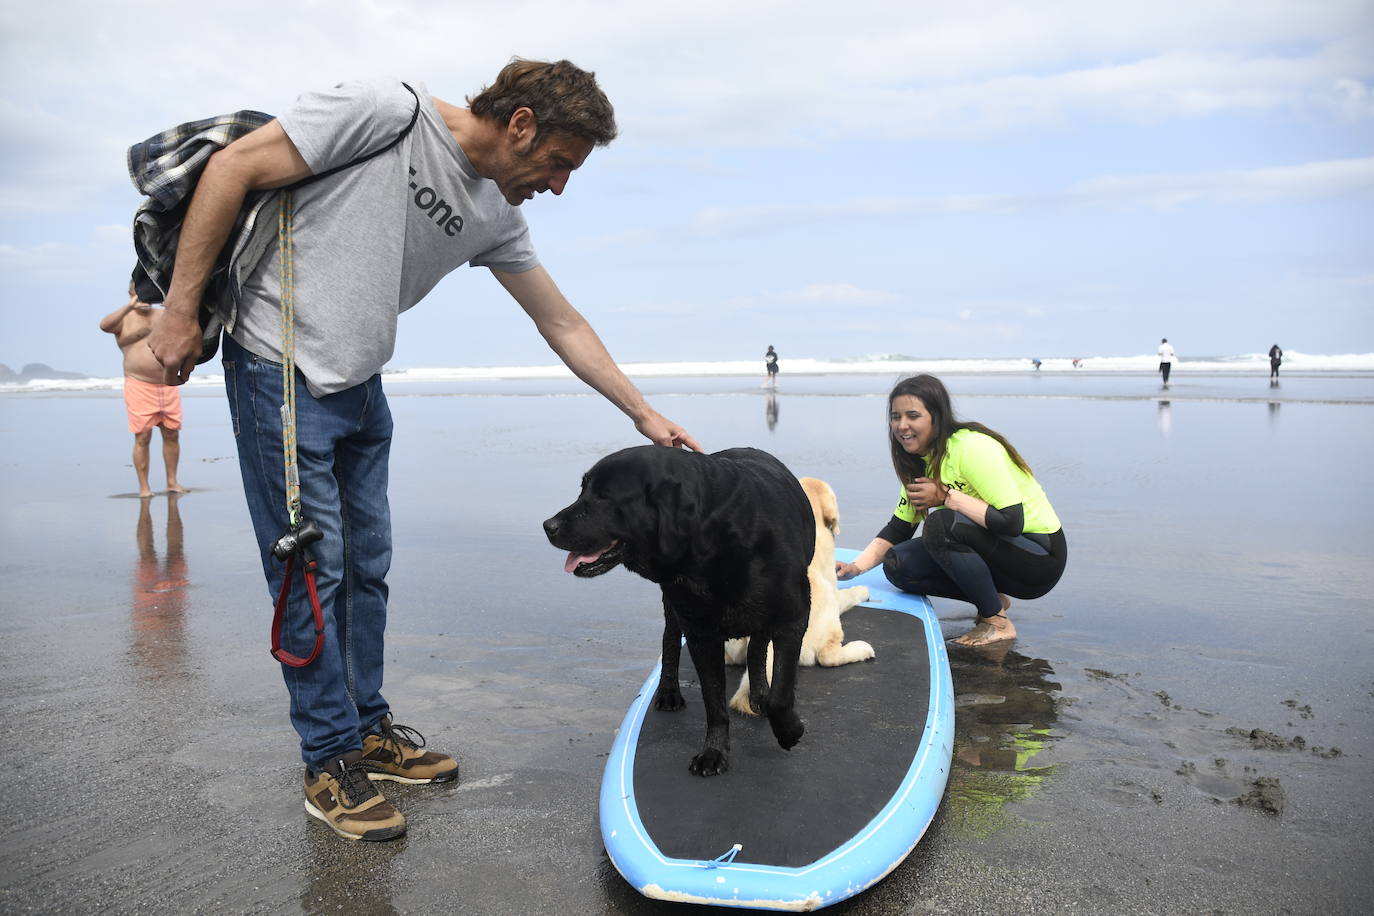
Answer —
564 98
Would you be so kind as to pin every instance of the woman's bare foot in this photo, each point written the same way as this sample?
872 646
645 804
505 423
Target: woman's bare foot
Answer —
990 629
174 487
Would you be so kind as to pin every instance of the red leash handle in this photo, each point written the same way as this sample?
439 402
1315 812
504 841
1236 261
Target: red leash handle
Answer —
280 654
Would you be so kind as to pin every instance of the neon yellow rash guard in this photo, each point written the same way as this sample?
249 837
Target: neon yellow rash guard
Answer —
977 464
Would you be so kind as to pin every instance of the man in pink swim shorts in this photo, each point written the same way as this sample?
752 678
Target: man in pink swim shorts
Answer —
149 402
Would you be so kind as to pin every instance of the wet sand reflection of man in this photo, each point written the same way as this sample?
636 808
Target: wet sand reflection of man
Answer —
158 601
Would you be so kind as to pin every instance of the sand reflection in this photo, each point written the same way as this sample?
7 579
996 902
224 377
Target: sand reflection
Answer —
158 601
1166 417
1005 711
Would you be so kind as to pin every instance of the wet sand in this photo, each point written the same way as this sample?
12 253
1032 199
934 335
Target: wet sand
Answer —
1184 725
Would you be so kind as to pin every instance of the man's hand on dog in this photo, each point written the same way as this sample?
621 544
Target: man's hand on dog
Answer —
659 430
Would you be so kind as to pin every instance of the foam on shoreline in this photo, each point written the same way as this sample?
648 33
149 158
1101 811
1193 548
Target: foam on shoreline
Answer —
882 364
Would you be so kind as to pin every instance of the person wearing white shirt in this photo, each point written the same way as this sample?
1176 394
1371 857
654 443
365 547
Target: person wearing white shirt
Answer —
1166 359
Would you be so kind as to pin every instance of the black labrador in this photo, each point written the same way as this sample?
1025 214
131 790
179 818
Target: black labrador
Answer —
728 538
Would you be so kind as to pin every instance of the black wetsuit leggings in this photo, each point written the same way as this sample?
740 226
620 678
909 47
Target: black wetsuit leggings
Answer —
957 558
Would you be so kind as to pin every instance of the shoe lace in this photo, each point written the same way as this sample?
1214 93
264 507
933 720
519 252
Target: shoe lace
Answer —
400 736
354 785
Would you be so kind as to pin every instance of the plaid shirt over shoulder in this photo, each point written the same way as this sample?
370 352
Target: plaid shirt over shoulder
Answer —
165 168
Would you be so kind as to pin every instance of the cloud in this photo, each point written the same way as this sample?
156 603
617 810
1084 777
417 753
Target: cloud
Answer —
102 247
986 69
840 294
46 258
114 233
1298 182
1159 191
825 295
691 74
1351 98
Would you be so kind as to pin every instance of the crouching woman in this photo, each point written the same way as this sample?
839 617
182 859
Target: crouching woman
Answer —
988 532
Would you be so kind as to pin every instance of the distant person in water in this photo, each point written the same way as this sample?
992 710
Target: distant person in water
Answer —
1166 359
1036 362
148 401
770 363
988 533
1275 360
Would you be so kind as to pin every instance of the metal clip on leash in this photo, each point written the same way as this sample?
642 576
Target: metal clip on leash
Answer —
295 543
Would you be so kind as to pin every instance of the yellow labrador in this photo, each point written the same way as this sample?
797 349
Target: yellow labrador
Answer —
824 641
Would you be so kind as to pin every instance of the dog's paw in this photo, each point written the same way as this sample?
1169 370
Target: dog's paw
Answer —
849 598
861 650
710 762
669 699
787 728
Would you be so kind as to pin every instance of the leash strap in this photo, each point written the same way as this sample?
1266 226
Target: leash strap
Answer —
280 654
286 274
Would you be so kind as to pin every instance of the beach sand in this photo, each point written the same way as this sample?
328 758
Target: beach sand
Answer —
1185 724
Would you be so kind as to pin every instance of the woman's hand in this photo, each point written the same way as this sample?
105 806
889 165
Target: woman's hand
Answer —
924 493
846 571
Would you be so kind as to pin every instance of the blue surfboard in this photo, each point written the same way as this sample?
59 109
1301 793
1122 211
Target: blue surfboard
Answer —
791 830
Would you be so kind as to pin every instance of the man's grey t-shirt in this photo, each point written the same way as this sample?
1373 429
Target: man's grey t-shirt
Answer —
373 240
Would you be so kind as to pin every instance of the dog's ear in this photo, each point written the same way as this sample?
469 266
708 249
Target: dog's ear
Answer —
674 534
830 510
823 505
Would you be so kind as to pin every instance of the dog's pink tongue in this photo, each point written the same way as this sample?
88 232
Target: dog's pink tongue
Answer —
575 559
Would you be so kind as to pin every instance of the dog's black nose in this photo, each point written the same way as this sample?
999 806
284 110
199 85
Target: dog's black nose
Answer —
552 527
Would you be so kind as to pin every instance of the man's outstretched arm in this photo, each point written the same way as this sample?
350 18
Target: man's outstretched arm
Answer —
577 344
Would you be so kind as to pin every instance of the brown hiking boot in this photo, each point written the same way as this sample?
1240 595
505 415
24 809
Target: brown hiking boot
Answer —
396 753
343 797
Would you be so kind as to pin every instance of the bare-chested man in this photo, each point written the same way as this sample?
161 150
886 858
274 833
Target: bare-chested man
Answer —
150 403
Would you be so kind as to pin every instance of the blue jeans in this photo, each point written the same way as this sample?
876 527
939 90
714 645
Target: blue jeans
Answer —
343 448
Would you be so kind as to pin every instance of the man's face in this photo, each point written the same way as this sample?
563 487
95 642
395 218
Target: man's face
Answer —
526 169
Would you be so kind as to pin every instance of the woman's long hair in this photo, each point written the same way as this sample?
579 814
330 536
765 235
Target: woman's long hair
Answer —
943 424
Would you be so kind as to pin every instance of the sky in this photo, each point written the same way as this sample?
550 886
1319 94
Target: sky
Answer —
938 179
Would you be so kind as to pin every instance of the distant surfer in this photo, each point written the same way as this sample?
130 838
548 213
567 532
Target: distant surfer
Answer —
147 400
988 532
1166 359
770 363
1275 360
